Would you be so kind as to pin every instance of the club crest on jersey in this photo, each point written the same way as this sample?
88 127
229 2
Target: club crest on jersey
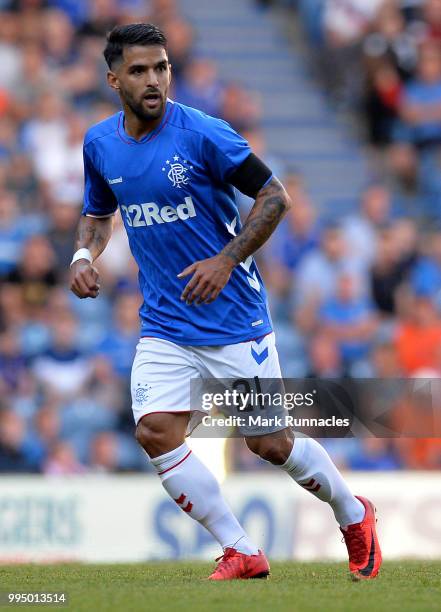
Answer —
177 171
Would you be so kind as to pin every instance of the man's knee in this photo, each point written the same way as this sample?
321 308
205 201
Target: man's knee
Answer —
274 448
152 439
161 433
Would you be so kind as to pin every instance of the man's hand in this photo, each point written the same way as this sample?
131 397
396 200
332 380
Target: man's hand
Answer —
84 279
209 278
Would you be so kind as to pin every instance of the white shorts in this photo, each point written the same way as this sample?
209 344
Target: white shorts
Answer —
162 371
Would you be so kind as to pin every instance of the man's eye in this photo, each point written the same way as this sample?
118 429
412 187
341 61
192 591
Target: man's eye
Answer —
162 68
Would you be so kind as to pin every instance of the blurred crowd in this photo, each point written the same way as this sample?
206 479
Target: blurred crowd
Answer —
358 297
382 59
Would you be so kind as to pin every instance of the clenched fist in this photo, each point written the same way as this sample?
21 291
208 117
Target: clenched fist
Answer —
84 279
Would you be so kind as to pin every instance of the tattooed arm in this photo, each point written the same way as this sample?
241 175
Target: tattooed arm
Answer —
211 275
93 234
271 204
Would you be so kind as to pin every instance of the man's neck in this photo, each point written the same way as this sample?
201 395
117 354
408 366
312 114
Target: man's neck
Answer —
138 128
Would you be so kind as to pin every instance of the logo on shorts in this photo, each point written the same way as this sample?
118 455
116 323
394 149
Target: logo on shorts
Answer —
142 394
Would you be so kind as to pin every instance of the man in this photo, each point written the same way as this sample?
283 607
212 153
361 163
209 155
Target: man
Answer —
171 171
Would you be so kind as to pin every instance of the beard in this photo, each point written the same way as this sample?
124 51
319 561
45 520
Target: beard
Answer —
140 111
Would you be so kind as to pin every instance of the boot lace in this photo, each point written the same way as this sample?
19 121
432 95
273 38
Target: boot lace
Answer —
225 559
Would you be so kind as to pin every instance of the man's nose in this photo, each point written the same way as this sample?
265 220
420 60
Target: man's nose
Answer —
152 79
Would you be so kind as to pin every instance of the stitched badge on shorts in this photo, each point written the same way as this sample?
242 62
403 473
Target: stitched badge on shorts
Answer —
142 394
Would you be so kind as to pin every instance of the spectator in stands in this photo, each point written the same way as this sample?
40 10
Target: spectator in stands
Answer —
325 360
418 417
420 108
432 19
45 135
389 271
15 452
13 232
46 432
420 114
63 220
201 87
163 11
63 369
59 38
119 344
375 454
62 461
22 181
418 336
345 24
68 185
385 361
106 389
240 108
13 365
390 56
100 18
8 137
426 275
361 229
180 38
382 103
405 233
104 453
10 52
36 272
317 275
35 76
12 313
392 41
349 318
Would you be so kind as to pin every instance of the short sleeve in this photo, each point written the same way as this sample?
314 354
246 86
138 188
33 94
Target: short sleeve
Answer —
99 200
225 149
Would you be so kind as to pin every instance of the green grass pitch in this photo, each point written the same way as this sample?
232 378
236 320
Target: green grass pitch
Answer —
166 586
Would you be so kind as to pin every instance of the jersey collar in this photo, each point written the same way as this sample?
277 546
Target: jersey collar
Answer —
151 135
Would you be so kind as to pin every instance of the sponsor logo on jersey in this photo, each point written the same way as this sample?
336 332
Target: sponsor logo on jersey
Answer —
115 180
141 215
177 171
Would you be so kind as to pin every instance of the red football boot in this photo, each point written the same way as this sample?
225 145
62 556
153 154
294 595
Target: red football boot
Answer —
362 544
235 565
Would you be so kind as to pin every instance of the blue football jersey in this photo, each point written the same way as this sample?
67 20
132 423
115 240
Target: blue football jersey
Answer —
177 206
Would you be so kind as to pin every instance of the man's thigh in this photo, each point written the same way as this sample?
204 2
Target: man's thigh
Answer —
160 380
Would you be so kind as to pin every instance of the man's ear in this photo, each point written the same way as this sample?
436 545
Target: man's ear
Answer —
112 80
169 73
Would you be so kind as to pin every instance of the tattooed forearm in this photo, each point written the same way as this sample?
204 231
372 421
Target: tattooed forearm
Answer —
94 234
271 204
